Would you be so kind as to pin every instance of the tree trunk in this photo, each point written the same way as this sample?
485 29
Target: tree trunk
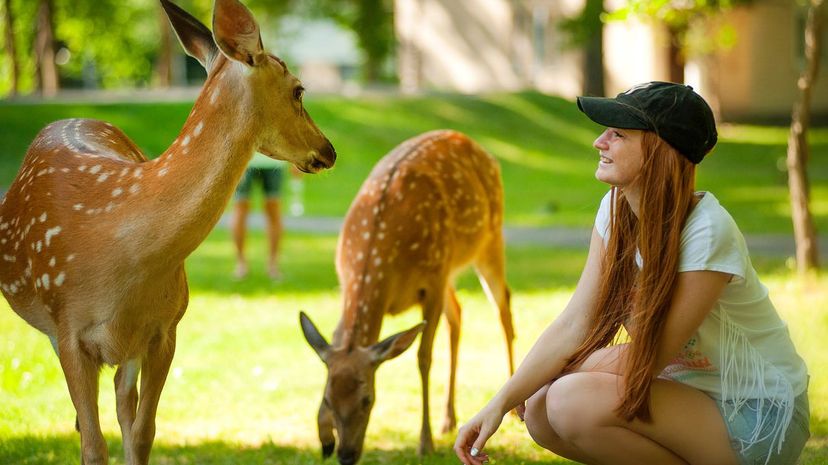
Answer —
807 253
675 55
163 67
47 72
594 51
11 47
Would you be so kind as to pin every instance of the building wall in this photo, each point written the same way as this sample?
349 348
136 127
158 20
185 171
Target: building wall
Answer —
757 79
493 45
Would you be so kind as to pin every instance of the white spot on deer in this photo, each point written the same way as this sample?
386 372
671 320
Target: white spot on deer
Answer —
9 258
103 177
367 279
39 246
95 169
37 282
51 233
45 280
366 235
138 172
377 261
59 279
42 217
78 206
117 191
186 141
214 95
64 170
124 172
162 172
82 168
52 262
70 258
360 256
415 246
133 189
199 127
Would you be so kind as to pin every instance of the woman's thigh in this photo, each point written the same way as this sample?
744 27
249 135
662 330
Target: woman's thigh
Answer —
684 420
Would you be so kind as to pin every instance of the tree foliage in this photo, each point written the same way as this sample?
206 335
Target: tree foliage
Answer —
373 23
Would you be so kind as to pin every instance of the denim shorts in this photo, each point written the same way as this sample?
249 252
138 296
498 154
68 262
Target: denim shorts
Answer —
764 452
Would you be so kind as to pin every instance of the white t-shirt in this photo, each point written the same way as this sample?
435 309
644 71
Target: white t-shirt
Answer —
742 350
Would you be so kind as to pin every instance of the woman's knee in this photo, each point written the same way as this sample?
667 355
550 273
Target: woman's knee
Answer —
535 416
573 405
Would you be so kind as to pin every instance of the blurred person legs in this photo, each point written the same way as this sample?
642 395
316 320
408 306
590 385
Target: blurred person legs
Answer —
271 180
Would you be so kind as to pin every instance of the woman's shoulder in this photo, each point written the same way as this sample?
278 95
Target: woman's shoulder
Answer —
710 216
712 240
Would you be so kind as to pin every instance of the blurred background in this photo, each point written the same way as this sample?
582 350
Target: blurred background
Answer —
745 56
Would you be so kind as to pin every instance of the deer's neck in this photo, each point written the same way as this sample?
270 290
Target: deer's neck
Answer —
364 306
197 175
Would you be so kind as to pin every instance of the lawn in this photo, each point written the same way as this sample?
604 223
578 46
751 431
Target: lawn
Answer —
244 387
543 143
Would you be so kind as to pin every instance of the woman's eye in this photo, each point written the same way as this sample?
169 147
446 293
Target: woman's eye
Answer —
617 134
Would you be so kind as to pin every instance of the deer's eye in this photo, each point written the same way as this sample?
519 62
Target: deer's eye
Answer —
298 93
366 402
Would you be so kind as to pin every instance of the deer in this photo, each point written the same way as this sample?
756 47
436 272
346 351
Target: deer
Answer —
93 234
429 208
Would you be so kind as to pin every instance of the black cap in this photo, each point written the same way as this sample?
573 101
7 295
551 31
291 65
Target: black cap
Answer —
673 111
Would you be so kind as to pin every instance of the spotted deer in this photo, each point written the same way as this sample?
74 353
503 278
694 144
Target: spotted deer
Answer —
93 235
429 208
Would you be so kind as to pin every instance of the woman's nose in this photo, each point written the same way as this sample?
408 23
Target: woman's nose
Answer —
601 142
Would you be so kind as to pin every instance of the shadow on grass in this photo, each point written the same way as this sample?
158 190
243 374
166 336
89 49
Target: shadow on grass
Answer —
65 449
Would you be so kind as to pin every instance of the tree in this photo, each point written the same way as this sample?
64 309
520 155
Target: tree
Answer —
11 47
44 46
807 253
587 31
373 23
678 17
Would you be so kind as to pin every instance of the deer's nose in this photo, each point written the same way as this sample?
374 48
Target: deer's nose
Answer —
347 457
326 157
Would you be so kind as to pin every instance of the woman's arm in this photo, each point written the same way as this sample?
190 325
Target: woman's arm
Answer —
543 362
694 297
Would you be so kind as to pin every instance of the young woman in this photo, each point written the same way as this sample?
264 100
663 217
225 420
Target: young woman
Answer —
709 375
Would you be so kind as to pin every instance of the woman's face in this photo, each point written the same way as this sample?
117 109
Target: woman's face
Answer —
621 156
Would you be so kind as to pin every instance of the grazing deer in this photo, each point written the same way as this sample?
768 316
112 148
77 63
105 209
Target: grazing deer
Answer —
93 235
429 208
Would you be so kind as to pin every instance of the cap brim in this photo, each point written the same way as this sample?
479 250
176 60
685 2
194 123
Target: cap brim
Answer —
612 113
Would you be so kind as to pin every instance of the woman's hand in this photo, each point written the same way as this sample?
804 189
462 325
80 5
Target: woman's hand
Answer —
472 436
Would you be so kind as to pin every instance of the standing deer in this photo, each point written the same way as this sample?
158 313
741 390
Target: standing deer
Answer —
93 235
429 208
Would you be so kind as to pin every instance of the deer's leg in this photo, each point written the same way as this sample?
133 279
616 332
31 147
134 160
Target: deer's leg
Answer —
81 372
432 304
491 269
324 422
453 317
154 372
126 395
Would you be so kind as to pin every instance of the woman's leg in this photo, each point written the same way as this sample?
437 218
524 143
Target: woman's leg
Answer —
686 426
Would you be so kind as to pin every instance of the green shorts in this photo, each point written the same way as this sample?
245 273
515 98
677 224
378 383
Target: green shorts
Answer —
270 178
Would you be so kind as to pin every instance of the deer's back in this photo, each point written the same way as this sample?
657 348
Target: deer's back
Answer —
428 206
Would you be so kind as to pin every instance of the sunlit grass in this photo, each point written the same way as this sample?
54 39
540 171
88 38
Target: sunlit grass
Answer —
244 386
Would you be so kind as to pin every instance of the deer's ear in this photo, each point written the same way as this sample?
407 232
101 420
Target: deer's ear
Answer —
394 345
237 33
316 341
194 36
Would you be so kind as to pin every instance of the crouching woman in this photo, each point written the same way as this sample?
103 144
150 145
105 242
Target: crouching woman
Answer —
708 374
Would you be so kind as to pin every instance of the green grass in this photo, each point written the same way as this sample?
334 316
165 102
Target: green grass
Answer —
543 142
244 386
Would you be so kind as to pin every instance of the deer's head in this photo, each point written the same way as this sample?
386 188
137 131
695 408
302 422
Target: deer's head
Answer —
267 96
349 391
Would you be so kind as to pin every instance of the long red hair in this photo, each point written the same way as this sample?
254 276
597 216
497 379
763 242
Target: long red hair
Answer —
641 297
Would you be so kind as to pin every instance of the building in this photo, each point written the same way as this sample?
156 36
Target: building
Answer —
505 45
